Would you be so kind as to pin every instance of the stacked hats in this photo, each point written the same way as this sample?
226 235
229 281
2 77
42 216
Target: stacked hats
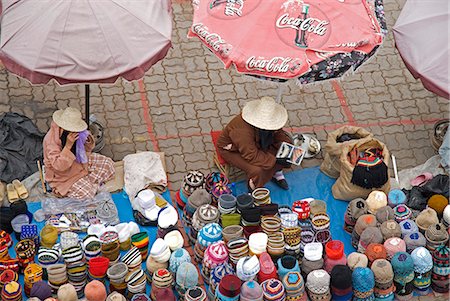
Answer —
174 240
209 234
177 258
267 268
57 276
244 201
426 218
167 220
216 275
11 291
146 200
140 240
227 204
237 248
287 264
215 255
384 214
436 235
47 257
95 291
162 278
251 216
318 285
312 258
192 181
153 266
414 240
441 269
376 200
306 237
231 219
423 265
98 266
229 288
293 239
247 268
197 199
363 282
30 231
396 197
217 190
145 297
41 290
251 291
110 245
270 224
213 178
363 222
394 245
355 209
403 266
287 217
438 202
25 252
390 229
195 294
116 274
132 259
160 251
355 260
75 262
334 251
341 283
321 225
261 196
302 209
231 232
124 230
136 283
294 286
370 235
275 244
384 279
257 243
32 274
205 214
273 290
7 276
401 213
92 246
374 252
186 278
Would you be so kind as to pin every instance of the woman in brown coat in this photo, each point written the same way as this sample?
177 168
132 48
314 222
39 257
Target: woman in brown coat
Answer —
251 140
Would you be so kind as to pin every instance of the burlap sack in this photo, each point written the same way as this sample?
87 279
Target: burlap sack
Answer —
343 189
331 164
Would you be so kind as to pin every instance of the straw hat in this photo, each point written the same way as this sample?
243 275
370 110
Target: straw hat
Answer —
265 114
70 119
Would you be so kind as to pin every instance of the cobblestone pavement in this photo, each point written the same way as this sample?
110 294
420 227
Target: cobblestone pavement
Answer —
188 94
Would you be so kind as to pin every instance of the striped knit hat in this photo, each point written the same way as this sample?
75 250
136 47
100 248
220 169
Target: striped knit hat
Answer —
363 281
441 269
383 273
273 290
209 234
423 264
294 285
195 294
403 266
11 291
218 273
401 213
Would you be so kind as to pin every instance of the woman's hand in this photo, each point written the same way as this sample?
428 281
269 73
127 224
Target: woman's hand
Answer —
71 138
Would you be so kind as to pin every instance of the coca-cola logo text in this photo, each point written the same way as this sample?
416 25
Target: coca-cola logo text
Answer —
312 25
234 7
276 64
212 39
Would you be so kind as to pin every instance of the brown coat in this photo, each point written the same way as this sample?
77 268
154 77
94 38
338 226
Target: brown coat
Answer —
239 145
61 169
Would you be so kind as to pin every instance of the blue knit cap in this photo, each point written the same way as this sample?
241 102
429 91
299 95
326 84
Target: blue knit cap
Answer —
177 258
403 266
408 226
363 282
423 261
396 197
187 275
209 234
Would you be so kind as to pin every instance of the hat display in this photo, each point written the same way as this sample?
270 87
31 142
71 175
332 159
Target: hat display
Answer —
375 251
70 119
363 282
426 218
316 207
438 202
396 197
267 268
174 240
301 208
257 243
41 290
403 266
115 296
355 260
186 277
384 277
160 251
318 285
227 203
273 290
251 291
261 196
265 114
376 200
147 201
368 236
168 216
215 254
237 249
231 219
341 282
286 264
67 292
11 291
213 178
162 278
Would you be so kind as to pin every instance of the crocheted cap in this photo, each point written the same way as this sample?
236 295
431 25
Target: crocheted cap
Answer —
382 270
341 277
293 283
423 261
441 255
355 260
356 208
220 188
177 258
384 213
427 218
199 197
402 212
390 229
402 264
244 201
363 280
95 291
396 197
408 226
446 216
414 240
273 289
208 213
41 290
195 294
209 234
375 251
376 200
318 281
364 221
219 272
438 202
187 275
251 290
368 236
334 249
230 286
67 292
436 233
394 245
164 294
317 206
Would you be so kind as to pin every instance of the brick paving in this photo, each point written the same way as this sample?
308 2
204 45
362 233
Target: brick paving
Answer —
188 94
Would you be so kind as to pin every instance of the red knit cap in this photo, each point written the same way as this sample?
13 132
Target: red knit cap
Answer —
267 268
230 286
334 249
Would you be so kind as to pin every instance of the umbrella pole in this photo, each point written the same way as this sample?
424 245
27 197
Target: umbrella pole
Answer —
86 94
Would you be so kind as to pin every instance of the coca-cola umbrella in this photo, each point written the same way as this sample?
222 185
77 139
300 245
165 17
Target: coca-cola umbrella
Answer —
421 37
285 39
83 41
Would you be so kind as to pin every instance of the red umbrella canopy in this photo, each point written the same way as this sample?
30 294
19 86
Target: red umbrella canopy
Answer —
83 41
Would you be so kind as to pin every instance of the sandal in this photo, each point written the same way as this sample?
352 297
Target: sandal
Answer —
421 179
20 188
13 196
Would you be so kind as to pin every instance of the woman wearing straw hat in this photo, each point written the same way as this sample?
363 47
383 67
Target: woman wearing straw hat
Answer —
251 140
71 169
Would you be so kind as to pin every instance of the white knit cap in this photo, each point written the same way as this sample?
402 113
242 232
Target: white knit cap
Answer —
313 251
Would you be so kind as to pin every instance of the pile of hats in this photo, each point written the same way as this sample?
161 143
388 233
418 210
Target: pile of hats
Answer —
57 276
312 258
92 246
267 268
136 283
32 274
160 251
207 235
213 178
197 199
75 261
110 245
237 248
204 215
384 279
25 251
192 181
132 259
117 274
215 254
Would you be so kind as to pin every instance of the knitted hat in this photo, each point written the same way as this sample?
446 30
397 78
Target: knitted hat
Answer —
436 235
441 266
401 212
414 240
363 282
403 266
383 273
341 281
355 209
394 245
41 290
384 213
368 236
153 266
162 278
247 268
244 201
438 202
213 178
287 264
317 206
273 290
301 208
423 261
67 292
294 285
209 234
174 240
355 260
251 291
267 268
115 296
164 294
408 226
218 273
198 198
177 258
195 294
396 197
257 243
318 285
363 222
229 286
390 229
374 252
187 275
426 218
376 200
95 291
12 291
446 216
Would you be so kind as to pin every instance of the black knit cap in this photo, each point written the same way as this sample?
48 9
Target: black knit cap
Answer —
341 277
269 209
244 201
288 261
251 215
